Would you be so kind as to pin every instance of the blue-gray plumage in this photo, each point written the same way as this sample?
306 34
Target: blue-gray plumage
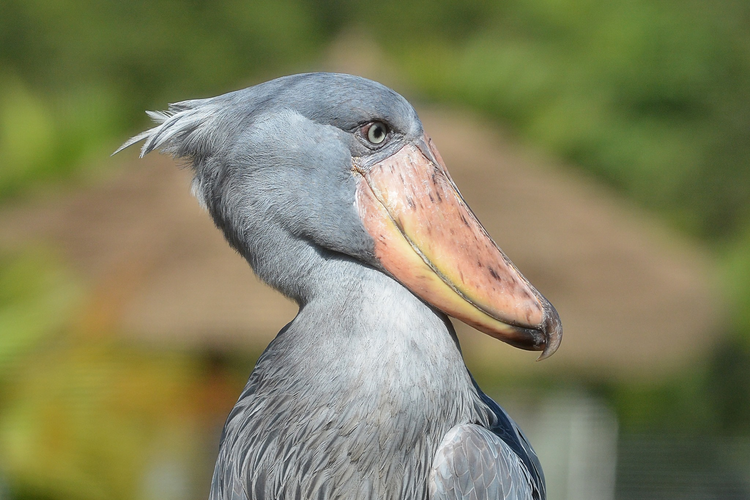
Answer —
322 181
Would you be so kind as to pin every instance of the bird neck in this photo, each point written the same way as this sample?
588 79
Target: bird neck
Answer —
367 377
355 320
364 334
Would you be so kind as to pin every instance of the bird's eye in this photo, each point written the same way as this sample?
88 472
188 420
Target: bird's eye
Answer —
376 132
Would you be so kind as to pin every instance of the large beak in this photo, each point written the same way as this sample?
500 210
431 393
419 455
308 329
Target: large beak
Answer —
430 241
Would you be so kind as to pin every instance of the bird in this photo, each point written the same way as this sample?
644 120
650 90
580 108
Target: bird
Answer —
329 187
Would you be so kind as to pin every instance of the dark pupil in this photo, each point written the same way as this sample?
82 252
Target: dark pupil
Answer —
378 132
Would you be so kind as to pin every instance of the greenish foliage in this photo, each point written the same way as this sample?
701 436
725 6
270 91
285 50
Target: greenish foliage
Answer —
87 419
736 279
710 398
76 76
37 297
651 96
675 405
728 386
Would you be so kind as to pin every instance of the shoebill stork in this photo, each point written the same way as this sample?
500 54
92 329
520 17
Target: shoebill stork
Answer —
329 187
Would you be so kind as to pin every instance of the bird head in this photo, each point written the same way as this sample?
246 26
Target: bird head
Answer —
343 164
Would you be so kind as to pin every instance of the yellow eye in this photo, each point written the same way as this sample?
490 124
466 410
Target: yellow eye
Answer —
377 132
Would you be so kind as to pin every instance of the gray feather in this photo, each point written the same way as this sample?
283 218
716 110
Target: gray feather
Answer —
357 415
185 130
472 463
354 397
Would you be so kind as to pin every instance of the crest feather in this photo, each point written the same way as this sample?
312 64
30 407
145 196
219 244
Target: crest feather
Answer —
185 129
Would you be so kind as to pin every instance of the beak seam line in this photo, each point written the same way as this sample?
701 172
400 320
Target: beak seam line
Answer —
424 258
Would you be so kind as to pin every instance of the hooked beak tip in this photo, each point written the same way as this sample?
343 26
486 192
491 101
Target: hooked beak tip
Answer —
553 332
432 249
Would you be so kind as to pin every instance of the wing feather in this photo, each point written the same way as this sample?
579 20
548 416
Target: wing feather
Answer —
472 463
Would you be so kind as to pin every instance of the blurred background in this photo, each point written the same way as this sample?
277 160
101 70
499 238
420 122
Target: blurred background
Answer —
605 145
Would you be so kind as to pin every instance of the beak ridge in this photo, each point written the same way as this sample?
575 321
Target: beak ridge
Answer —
428 239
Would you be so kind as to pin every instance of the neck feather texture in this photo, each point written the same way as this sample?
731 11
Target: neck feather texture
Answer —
351 399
